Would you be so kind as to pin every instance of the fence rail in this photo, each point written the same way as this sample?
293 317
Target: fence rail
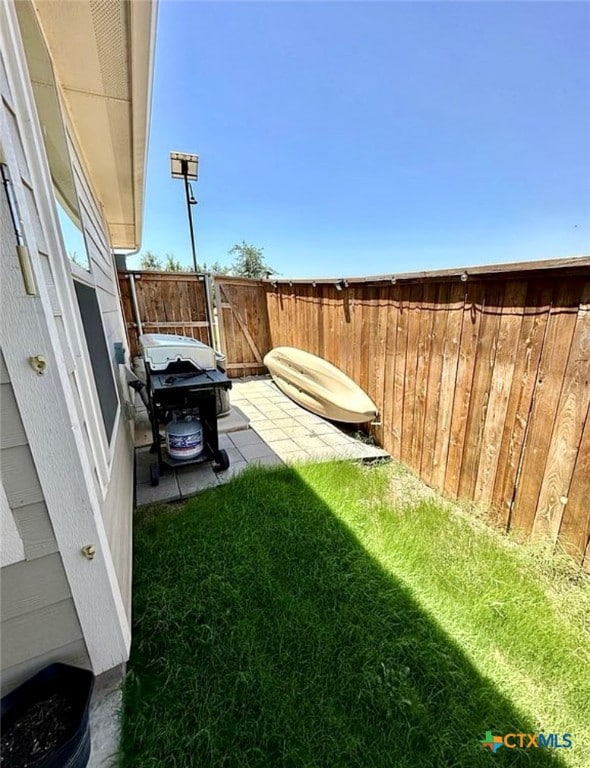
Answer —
483 384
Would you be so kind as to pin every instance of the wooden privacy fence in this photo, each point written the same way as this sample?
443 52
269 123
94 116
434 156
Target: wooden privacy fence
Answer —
482 383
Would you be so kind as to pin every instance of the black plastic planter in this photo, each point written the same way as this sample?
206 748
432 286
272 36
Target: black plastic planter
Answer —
45 720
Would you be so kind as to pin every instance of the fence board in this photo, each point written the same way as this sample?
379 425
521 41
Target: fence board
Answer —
527 357
345 301
472 314
387 413
574 532
440 317
380 359
399 381
424 352
567 428
499 391
485 355
552 366
357 312
375 346
450 364
413 318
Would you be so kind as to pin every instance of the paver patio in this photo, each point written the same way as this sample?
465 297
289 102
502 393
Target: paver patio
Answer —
279 432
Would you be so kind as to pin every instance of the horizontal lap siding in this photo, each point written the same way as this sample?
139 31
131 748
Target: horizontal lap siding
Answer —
29 586
38 632
73 653
37 612
38 619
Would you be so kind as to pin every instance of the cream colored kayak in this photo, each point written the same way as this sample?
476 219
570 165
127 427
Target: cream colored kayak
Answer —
319 386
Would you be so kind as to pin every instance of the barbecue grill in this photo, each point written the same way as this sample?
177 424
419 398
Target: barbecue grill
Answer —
183 381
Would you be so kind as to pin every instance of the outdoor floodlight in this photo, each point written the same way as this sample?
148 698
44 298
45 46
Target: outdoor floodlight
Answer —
183 166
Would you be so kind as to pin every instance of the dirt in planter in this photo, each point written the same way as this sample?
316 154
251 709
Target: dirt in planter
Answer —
42 727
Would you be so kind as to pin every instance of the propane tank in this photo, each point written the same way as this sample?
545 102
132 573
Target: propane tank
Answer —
184 439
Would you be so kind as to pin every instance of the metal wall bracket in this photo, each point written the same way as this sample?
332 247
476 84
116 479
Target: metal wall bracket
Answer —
24 258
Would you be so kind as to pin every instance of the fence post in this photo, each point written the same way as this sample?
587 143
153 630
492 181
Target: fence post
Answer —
219 319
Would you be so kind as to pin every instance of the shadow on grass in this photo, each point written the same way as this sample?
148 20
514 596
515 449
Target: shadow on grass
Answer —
265 635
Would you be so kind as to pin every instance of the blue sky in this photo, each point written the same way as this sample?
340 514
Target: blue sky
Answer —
363 138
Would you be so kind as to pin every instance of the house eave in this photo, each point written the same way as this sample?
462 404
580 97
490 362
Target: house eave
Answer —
103 54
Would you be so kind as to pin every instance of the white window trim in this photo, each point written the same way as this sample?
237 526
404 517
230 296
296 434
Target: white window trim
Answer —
102 452
87 277
12 549
103 449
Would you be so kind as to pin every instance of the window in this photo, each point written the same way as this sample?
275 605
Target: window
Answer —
72 236
99 354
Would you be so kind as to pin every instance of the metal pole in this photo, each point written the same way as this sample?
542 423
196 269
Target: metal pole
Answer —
190 214
209 288
134 303
220 327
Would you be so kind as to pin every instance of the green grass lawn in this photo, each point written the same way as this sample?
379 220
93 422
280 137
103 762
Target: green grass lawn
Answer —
341 615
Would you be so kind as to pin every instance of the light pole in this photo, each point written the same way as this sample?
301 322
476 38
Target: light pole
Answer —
183 166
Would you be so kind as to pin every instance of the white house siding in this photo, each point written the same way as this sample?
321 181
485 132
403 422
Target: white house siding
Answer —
117 502
40 618
39 623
